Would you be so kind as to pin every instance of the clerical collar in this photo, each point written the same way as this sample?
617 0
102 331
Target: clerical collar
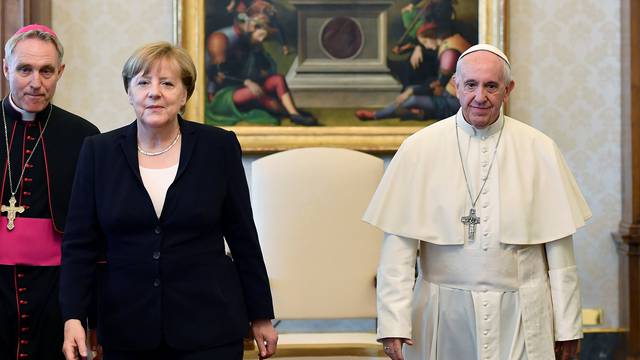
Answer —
481 133
26 116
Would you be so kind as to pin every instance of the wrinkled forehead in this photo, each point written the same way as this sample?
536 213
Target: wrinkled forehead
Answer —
482 66
34 51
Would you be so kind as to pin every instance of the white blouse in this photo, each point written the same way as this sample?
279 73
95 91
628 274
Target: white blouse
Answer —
157 182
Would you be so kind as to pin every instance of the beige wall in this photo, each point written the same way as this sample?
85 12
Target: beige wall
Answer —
99 36
566 63
566 59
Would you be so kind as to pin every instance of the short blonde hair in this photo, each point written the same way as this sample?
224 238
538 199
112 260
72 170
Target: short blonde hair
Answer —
145 57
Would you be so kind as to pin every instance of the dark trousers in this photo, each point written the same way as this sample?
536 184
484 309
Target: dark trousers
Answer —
230 351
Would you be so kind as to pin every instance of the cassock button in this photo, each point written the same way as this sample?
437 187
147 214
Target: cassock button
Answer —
23 302
486 346
157 230
24 316
20 275
24 356
24 342
485 333
24 329
156 282
27 151
156 255
22 289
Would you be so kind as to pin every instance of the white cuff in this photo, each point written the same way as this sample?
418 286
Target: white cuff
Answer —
567 308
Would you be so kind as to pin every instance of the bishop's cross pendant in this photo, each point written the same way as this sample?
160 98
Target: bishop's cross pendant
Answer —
471 221
11 211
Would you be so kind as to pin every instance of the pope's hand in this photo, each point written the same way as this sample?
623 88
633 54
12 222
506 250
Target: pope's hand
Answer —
567 350
393 347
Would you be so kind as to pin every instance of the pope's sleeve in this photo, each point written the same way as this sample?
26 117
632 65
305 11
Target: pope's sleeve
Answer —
396 277
565 290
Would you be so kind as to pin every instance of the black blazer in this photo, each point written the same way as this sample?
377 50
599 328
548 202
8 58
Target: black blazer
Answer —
166 277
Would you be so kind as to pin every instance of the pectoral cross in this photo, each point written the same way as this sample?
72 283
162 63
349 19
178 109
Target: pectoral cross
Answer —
471 220
11 211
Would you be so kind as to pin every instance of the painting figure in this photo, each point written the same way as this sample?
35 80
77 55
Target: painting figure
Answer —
434 99
412 18
243 83
236 7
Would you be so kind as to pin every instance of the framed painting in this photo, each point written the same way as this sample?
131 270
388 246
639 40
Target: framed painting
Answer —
284 74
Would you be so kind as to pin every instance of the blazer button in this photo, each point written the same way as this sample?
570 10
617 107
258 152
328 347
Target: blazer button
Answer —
156 282
157 230
156 255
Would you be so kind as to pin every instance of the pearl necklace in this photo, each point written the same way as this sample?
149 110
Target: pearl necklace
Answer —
149 153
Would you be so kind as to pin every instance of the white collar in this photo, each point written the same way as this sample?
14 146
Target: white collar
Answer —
26 116
481 133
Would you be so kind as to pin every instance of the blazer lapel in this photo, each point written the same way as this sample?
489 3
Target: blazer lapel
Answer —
129 145
188 144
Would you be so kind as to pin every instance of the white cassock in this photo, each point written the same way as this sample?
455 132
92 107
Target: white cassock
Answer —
509 292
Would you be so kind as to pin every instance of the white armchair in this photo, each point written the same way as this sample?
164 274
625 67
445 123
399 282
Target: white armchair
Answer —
321 258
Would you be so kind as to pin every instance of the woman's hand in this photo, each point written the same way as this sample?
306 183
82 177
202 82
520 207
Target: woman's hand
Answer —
393 347
266 337
74 346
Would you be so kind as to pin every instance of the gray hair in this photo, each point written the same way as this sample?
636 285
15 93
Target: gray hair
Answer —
11 44
506 70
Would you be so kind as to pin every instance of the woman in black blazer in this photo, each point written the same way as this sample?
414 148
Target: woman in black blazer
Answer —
152 205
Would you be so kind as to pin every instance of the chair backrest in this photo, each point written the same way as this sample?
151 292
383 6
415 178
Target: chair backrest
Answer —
320 256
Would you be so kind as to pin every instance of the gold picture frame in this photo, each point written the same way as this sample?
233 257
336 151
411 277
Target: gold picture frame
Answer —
189 32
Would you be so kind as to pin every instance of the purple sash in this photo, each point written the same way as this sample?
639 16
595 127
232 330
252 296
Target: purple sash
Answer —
32 242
